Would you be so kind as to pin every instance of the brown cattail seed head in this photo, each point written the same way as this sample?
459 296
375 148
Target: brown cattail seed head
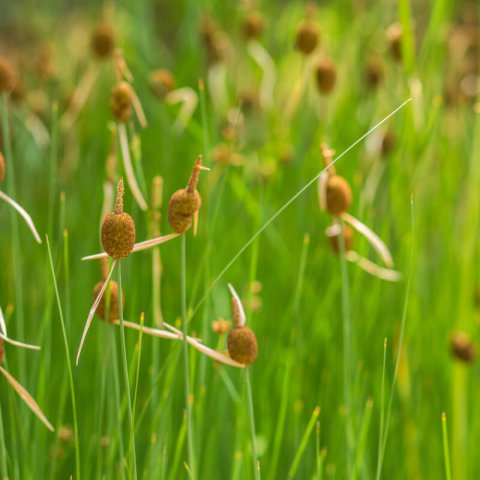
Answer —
347 238
101 311
325 75
388 143
161 83
103 41
121 102
2 167
184 203
242 345
462 347
394 38
253 25
118 229
339 195
2 351
307 37
7 75
221 326
374 73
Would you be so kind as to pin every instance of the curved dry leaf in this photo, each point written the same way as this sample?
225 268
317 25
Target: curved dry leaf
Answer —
23 213
372 268
28 399
93 310
127 162
3 326
239 316
156 332
189 100
219 357
19 344
375 241
264 60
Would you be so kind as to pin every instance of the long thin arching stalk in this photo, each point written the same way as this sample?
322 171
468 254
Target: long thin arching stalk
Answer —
190 438
69 363
125 371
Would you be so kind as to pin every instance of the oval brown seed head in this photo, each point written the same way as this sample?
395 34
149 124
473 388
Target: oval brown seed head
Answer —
121 102
339 195
394 38
2 167
7 75
181 208
102 307
325 75
307 37
118 234
462 347
374 73
242 345
388 143
2 351
103 41
348 238
161 83
253 25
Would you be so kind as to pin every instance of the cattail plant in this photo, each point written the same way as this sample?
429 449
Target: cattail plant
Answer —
103 42
462 347
335 197
163 86
242 347
15 205
26 397
394 40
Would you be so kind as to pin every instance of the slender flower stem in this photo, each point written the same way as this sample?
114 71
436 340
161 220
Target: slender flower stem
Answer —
3 449
251 414
69 364
191 451
347 350
125 372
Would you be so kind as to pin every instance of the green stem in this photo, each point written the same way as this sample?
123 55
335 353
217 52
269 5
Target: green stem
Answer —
251 415
3 449
446 450
347 351
125 371
191 451
69 364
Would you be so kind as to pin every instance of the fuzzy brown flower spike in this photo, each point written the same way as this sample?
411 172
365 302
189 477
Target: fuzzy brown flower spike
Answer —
121 102
185 203
7 76
103 41
242 342
118 229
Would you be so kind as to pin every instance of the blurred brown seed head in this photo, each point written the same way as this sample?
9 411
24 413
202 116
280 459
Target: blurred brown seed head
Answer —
388 143
326 76
394 39
242 345
161 83
221 326
113 313
7 75
103 41
121 102
374 73
307 37
253 25
462 347
2 167
339 195
214 41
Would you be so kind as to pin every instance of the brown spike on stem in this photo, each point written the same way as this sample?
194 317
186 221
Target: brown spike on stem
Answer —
192 182
119 201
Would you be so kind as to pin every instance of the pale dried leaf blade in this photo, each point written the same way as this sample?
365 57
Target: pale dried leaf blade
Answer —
156 332
372 268
189 100
374 240
322 191
93 310
96 256
238 311
266 63
19 344
23 213
28 399
219 357
3 326
127 162
137 106
154 242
